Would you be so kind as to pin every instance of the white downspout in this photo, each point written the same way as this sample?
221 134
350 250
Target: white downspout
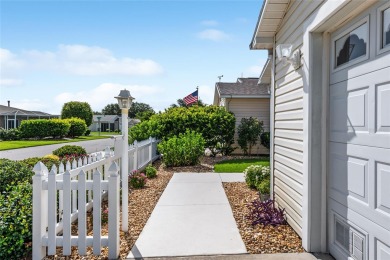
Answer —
272 119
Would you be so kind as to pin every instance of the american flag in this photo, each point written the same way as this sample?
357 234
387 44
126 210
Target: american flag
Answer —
191 98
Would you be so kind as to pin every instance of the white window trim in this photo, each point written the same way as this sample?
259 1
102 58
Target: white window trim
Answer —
379 32
342 34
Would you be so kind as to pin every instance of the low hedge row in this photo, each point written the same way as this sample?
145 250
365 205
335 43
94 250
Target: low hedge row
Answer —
41 128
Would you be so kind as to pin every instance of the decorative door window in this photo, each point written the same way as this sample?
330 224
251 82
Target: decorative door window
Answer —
351 45
386 27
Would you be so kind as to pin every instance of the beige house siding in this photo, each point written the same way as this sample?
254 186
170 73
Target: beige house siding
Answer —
245 108
288 115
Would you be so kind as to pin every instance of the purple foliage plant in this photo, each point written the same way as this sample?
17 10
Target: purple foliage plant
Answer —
265 212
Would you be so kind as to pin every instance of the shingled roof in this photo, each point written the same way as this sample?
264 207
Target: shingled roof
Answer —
243 87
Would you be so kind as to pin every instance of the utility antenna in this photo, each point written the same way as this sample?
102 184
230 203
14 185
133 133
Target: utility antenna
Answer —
220 78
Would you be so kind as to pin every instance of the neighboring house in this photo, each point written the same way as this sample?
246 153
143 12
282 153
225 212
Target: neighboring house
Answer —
110 123
11 117
330 145
107 123
245 98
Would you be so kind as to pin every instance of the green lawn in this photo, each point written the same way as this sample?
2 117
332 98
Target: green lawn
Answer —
239 165
104 133
8 145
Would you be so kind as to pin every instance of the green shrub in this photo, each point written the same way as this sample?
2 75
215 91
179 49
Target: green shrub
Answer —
264 186
16 221
12 173
137 180
150 171
41 128
10 134
77 126
87 133
70 150
249 133
183 150
77 109
57 127
264 139
47 161
255 174
214 123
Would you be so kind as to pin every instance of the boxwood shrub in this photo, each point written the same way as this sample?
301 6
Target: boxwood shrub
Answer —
10 134
182 150
47 161
150 171
12 173
68 150
77 126
16 221
41 128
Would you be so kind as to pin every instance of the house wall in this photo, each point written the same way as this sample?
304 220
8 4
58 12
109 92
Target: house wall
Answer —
289 134
245 108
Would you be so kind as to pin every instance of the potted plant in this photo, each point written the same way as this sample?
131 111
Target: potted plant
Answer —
264 189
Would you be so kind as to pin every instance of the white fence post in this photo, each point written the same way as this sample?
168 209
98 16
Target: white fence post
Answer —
150 149
39 210
135 155
52 211
113 211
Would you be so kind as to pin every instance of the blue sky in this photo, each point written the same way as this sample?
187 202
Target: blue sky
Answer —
57 51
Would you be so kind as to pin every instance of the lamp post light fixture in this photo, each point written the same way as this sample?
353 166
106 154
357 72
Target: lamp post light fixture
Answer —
125 100
99 126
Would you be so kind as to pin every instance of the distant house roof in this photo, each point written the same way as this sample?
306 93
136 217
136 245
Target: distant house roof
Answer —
244 87
105 118
12 111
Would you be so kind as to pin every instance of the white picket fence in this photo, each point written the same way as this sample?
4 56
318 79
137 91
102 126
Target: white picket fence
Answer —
67 194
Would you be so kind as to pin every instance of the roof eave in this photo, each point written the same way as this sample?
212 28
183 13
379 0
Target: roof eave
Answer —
245 96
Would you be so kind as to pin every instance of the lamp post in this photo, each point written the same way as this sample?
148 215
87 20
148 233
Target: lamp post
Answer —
99 126
124 101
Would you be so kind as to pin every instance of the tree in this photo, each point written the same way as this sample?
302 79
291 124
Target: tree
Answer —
139 107
112 109
97 113
144 115
249 132
78 109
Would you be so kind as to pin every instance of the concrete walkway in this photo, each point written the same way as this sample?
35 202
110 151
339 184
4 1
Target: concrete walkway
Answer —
193 217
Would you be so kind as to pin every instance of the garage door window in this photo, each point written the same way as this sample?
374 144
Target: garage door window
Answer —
351 45
386 28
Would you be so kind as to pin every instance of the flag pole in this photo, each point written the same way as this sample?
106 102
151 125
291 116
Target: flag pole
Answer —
197 89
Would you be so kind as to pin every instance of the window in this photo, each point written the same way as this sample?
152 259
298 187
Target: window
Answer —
351 45
385 27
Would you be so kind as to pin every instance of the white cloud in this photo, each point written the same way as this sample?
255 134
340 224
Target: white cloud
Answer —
104 94
255 70
31 105
213 35
209 23
79 60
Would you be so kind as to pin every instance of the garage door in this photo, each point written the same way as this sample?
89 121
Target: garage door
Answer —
359 138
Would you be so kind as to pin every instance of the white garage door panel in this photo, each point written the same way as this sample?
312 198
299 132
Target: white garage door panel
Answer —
359 178
360 111
359 143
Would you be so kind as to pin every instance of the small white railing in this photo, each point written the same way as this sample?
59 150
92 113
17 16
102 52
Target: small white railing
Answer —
66 194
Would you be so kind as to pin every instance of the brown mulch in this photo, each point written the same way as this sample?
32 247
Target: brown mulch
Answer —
259 239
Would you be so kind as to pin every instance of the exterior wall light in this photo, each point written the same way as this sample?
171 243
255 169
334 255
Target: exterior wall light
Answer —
284 53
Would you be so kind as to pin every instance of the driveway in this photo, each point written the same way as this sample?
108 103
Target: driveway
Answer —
39 151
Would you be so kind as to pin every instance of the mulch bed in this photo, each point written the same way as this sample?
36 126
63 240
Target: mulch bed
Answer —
259 239
142 202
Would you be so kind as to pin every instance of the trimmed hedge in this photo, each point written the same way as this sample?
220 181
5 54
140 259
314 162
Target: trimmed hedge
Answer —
77 126
16 221
41 128
67 150
12 173
47 161
214 123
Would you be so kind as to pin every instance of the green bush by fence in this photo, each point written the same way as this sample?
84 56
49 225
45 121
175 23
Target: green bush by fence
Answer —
214 123
12 173
67 150
10 134
183 150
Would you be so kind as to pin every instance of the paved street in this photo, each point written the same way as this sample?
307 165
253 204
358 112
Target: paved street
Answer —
38 151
